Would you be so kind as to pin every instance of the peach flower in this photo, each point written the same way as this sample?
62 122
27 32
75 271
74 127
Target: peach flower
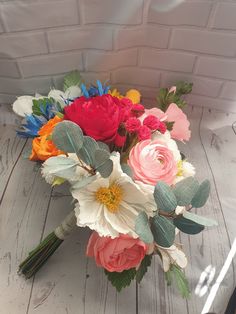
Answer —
116 254
153 161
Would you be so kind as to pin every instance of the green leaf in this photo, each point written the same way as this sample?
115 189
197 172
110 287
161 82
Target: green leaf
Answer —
60 166
146 262
187 226
68 136
126 169
142 228
183 88
58 181
200 220
180 280
161 98
72 79
82 183
201 195
87 151
103 146
121 280
185 190
163 231
39 105
169 125
106 168
164 197
100 157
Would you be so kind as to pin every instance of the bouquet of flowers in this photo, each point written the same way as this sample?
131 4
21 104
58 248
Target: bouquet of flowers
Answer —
131 185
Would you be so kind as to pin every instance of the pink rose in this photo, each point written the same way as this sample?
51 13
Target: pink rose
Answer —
144 133
116 254
152 161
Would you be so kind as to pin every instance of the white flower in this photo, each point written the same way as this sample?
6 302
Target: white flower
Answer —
23 105
185 169
172 255
111 205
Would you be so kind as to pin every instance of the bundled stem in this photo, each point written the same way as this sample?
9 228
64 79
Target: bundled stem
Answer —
38 257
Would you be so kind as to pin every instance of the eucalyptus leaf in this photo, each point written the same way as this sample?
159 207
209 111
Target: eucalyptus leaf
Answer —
83 182
60 166
68 136
201 195
185 190
142 228
126 169
100 157
163 231
103 146
106 168
200 220
164 197
72 79
187 226
87 151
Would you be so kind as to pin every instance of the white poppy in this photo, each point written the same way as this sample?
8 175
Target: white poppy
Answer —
111 205
23 105
185 169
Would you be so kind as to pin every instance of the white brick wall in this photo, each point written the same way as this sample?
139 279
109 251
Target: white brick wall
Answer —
135 43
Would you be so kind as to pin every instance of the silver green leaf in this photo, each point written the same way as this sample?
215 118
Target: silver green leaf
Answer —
60 166
103 146
100 157
200 220
106 168
201 195
142 228
163 231
87 151
185 190
164 197
83 182
126 169
72 79
68 136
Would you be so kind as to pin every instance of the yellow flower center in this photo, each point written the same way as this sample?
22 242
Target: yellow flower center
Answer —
180 168
110 197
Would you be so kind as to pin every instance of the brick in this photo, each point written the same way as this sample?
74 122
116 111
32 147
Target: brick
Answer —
225 16
204 42
80 38
201 86
167 60
216 67
25 86
151 36
104 61
88 78
115 12
229 91
28 16
7 98
20 45
51 64
136 76
215 103
187 13
8 69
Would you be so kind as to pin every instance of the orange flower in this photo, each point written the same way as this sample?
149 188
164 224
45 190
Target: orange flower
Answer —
42 147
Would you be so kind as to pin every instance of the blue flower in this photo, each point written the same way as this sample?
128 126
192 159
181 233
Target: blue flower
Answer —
94 91
32 126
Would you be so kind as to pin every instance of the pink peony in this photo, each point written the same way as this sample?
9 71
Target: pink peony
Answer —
116 254
144 133
152 161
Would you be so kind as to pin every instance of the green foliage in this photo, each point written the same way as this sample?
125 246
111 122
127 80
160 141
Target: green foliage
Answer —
187 226
164 99
199 219
142 228
121 280
72 79
146 262
185 190
201 195
169 125
163 231
85 181
178 275
103 146
68 137
106 168
126 169
100 157
164 197
61 166
88 149
40 104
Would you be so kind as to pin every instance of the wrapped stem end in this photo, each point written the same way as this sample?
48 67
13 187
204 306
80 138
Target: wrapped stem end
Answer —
39 255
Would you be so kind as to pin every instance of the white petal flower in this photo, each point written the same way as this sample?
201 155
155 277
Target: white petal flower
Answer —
111 205
185 170
23 105
73 92
57 95
172 255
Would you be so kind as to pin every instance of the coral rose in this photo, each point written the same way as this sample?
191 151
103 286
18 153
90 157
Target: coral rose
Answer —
153 161
116 254
42 147
99 117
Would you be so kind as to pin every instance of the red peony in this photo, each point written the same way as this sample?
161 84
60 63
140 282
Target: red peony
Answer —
98 117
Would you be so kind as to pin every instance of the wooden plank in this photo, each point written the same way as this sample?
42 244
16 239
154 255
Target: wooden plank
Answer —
202 250
22 217
71 283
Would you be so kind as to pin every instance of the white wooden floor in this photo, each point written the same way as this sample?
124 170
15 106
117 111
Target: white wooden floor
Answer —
72 284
